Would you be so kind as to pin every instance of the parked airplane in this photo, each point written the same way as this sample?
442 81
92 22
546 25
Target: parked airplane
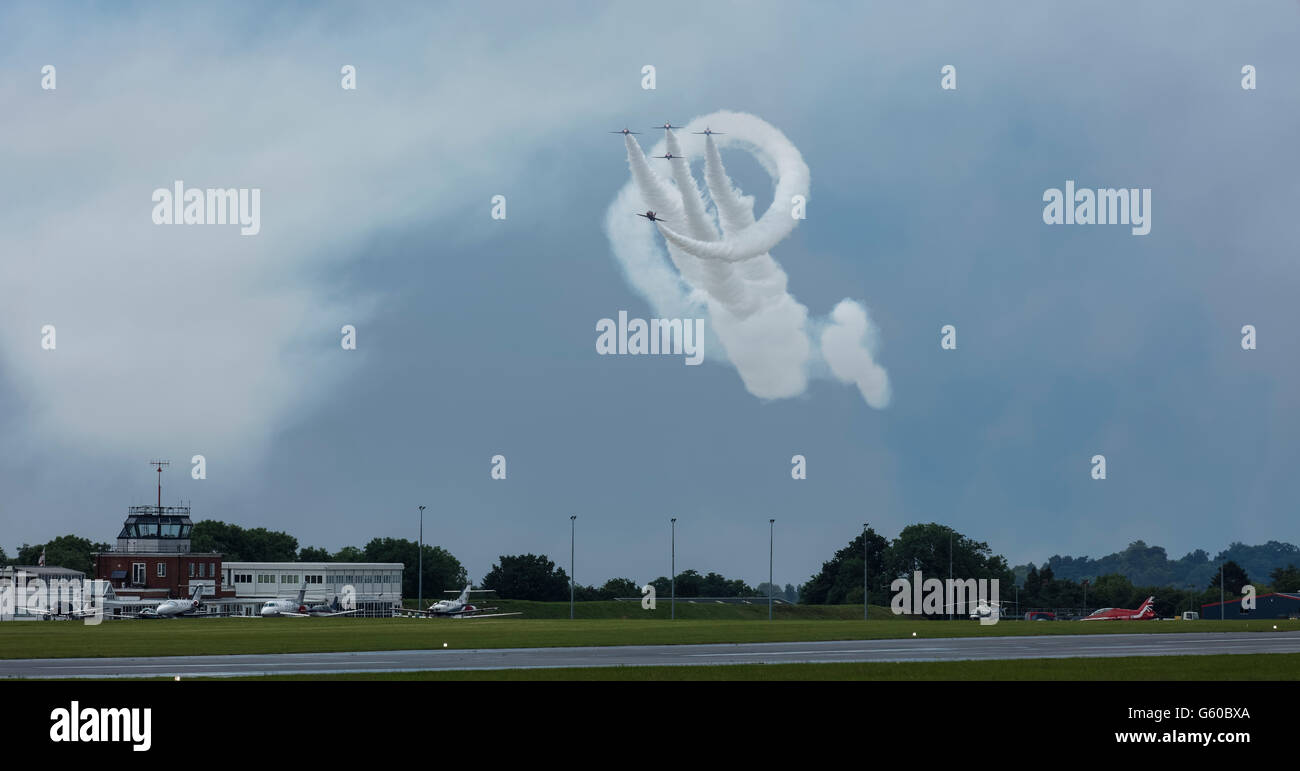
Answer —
286 607
174 608
332 608
652 217
458 608
1124 614
59 615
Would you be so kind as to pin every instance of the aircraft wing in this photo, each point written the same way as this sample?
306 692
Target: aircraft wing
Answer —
488 615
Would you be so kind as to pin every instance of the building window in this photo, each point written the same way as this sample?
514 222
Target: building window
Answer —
137 573
212 570
162 569
191 570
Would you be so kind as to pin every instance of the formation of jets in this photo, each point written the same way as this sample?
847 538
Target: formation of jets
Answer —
457 608
666 156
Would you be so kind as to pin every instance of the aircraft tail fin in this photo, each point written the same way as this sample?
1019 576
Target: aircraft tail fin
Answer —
464 594
1146 606
302 593
196 593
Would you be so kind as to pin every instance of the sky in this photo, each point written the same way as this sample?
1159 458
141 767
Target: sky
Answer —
476 336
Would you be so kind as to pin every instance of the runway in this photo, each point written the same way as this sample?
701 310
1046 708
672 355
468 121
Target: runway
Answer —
899 650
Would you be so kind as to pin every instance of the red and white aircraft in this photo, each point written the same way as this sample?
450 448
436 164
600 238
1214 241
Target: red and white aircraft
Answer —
1124 614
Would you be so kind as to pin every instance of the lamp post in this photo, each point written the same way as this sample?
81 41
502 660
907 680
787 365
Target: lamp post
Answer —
865 590
672 569
1220 591
950 568
771 525
573 527
420 575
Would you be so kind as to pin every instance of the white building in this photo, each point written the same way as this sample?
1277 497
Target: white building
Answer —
376 586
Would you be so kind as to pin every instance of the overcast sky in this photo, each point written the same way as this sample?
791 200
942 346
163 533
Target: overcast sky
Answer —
476 337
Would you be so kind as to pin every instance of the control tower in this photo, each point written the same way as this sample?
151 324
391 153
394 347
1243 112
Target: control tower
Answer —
156 529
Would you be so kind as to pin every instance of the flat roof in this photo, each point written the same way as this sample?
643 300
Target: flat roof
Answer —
313 565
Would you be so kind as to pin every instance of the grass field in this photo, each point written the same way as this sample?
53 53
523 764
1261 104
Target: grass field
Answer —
1263 666
704 624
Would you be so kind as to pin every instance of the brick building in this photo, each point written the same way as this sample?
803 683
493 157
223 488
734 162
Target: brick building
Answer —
152 559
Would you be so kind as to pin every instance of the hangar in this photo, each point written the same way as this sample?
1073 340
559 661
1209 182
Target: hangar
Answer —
1274 605
376 586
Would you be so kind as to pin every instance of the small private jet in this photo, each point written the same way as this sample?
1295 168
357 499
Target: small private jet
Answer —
175 608
457 608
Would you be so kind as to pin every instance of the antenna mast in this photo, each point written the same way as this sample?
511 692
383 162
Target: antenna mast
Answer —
159 465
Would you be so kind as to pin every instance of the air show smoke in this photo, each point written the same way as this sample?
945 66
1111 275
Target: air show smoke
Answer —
719 261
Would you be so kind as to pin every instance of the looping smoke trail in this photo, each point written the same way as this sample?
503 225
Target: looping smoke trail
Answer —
725 268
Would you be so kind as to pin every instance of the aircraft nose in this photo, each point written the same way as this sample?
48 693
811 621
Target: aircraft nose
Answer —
266 612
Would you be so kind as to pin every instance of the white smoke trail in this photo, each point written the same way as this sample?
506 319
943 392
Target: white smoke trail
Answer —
729 273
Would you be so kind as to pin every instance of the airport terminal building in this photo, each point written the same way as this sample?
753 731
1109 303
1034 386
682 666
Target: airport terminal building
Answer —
376 587
153 561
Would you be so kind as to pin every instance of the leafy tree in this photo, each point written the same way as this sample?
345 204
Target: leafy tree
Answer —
1233 578
313 554
932 547
1111 591
689 583
442 571
840 579
790 593
240 545
66 551
717 585
619 587
527 577
1285 579
350 554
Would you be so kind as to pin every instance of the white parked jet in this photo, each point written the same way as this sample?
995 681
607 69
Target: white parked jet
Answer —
174 608
457 608
298 608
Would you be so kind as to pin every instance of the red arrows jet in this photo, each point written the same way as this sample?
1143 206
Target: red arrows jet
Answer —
1124 614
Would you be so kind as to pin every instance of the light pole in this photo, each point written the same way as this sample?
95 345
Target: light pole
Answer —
950 568
672 570
1220 591
420 602
865 591
1085 596
771 525
573 527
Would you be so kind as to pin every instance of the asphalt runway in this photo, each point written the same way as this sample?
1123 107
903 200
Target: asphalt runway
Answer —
915 649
